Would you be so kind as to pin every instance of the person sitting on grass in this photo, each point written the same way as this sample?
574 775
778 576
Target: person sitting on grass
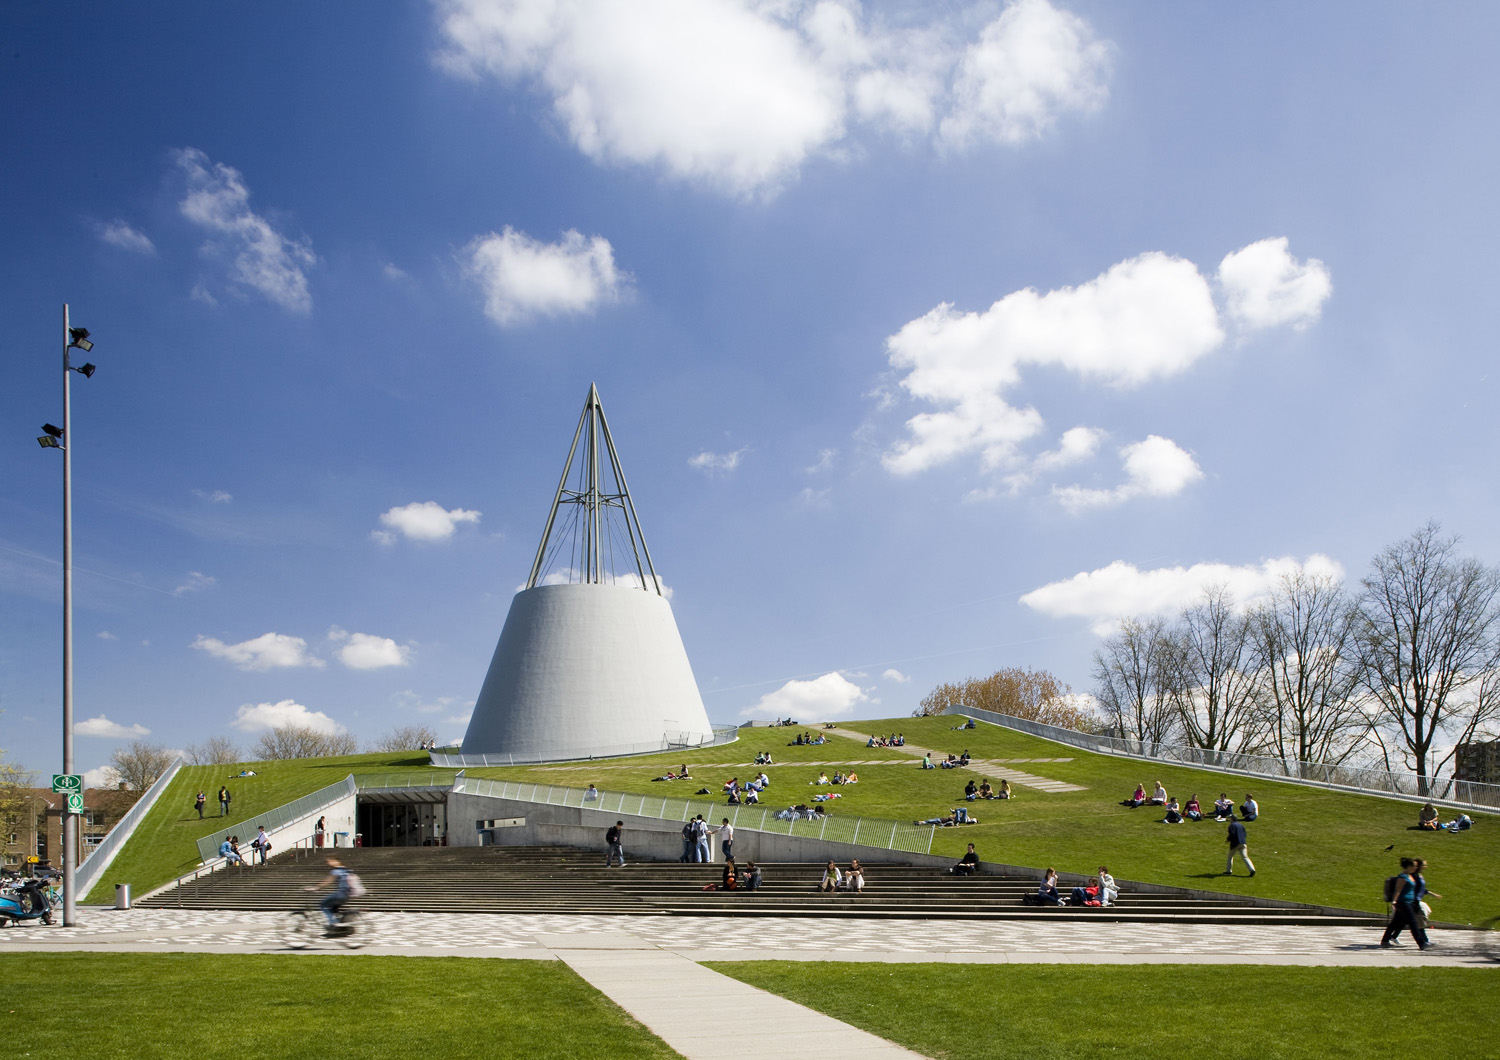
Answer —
851 777
985 791
964 758
968 865
1223 807
1174 814
1139 798
832 877
1427 819
821 739
822 779
1250 810
1192 811
1159 796
1005 792
971 790
732 784
761 778
927 761
949 763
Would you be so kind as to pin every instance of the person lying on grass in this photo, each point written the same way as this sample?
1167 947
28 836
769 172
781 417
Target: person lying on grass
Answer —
958 815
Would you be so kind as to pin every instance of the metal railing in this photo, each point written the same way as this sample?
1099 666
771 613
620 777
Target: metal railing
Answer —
1355 778
861 831
680 741
398 781
100 857
280 817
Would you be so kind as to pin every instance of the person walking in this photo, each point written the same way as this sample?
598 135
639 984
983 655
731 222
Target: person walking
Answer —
1237 840
725 832
613 840
199 803
261 844
223 801
1405 894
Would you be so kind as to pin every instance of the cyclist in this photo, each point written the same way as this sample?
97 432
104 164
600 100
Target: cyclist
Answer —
343 883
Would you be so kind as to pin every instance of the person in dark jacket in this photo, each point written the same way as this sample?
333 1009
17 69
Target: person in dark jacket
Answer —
967 865
614 844
1237 845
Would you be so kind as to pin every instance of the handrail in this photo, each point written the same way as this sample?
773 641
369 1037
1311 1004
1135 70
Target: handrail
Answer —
877 833
102 855
680 741
279 817
1457 793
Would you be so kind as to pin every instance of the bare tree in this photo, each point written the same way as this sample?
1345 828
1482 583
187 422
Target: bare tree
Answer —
1216 690
1305 648
214 751
139 764
1428 642
297 741
1136 671
1021 692
404 738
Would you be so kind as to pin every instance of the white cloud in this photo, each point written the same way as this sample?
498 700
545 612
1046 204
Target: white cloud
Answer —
1121 590
1266 286
423 521
102 726
895 675
721 463
196 580
260 257
214 496
105 634
395 273
102 777
121 234
259 717
1155 467
815 498
269 651
1030 65
365 651
823 698
827 459
522 277
1148 317
738 94
1076 445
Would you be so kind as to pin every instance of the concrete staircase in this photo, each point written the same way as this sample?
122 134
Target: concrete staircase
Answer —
565 880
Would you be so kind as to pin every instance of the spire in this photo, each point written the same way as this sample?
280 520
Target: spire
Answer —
598 539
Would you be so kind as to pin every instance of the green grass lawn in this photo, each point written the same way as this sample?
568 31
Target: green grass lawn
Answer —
1150 1012
327 1007
1310 845
163 846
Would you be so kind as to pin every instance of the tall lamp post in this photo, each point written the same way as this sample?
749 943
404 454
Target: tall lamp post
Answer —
61 438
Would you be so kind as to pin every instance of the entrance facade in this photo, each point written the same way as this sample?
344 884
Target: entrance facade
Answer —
402 824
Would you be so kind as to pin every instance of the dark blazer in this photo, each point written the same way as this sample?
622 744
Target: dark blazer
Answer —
1236 834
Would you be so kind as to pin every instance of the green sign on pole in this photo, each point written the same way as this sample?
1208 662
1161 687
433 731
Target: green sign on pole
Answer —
75 802
63 783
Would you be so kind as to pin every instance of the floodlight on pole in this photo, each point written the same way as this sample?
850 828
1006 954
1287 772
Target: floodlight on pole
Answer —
78 338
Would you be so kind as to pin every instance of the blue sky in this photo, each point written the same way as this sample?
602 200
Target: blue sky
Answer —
934 338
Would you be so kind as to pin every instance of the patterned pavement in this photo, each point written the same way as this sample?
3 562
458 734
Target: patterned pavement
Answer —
734 938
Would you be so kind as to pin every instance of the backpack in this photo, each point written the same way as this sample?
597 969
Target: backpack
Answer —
357 888
1392 885
687 831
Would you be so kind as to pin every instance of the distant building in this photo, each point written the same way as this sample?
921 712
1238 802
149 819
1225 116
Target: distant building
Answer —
36 830
1478 762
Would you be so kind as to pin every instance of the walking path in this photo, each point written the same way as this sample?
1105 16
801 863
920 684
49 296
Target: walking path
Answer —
982 766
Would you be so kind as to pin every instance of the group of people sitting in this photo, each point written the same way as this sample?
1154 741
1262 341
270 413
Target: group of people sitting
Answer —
764 759
966 725
898 740
839 777
984 791
747 794
951 762
736 879
801 812
836 879
956 816
1100 891
807 739
1176 814
1427 821
683 774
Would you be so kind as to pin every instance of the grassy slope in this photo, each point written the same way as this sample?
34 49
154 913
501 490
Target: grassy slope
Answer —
163 846
1062 1012
328 1007
1309 845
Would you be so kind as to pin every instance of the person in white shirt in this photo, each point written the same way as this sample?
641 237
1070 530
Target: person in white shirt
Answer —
832 877
725 832
1159 796
1108 892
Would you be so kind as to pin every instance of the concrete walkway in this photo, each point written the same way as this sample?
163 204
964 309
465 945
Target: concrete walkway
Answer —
701 1013
983 766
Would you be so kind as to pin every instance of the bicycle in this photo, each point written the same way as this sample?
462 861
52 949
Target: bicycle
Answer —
304 926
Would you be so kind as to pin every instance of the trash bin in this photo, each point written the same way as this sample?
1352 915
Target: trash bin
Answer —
359 839
122 896
341 839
